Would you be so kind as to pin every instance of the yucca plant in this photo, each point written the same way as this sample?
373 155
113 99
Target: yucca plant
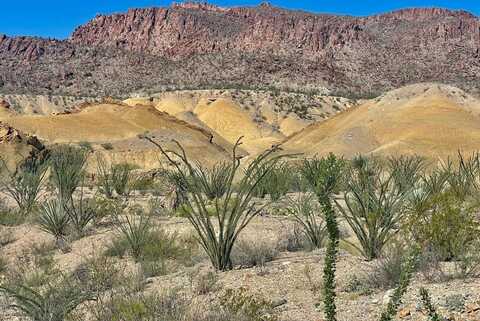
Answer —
376 200
136 231
325 177
213 181
68 170
54 303
25 183
81 213
68 174
463 178
114 178
307 214
232 212
54 220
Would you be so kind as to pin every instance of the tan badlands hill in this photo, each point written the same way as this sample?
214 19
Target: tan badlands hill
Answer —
262 117
120 125
426 119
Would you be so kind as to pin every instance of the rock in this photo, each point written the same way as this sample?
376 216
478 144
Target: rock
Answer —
403 313
319 50
387 297
278 302
472 307
4 104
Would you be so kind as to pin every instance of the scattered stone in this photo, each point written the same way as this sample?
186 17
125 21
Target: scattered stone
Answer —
279 302
387 297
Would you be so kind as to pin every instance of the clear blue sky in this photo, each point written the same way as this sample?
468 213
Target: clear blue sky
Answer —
58 18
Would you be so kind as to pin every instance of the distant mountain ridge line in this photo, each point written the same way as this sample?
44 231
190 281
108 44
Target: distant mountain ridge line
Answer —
201 44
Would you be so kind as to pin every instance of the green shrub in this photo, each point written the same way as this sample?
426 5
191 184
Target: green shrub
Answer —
9 217
86 145
239 302
107 146
232 212
446 225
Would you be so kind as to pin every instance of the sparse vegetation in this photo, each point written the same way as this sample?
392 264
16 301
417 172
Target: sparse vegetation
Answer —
233 212
435 211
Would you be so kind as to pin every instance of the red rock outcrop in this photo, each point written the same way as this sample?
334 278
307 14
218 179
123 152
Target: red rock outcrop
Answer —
200 45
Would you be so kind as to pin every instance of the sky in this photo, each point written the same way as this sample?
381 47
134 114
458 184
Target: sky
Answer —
58 18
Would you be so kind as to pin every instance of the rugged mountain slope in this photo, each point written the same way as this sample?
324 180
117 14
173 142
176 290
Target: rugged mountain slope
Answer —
426 119
203 46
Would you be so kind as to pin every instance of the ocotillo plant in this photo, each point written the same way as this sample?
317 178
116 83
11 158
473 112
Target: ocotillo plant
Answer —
325 177
233 211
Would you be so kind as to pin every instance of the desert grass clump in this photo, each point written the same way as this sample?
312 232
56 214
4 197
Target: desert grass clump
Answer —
232 212
169 305
376 200
25 183
249 253
307 214
246 306
388 269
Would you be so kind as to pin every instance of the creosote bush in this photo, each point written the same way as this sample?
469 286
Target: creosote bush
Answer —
232 212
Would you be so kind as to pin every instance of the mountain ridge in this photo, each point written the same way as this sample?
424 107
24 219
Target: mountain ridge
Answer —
201 45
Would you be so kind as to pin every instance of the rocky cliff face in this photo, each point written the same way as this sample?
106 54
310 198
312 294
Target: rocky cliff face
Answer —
200 45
